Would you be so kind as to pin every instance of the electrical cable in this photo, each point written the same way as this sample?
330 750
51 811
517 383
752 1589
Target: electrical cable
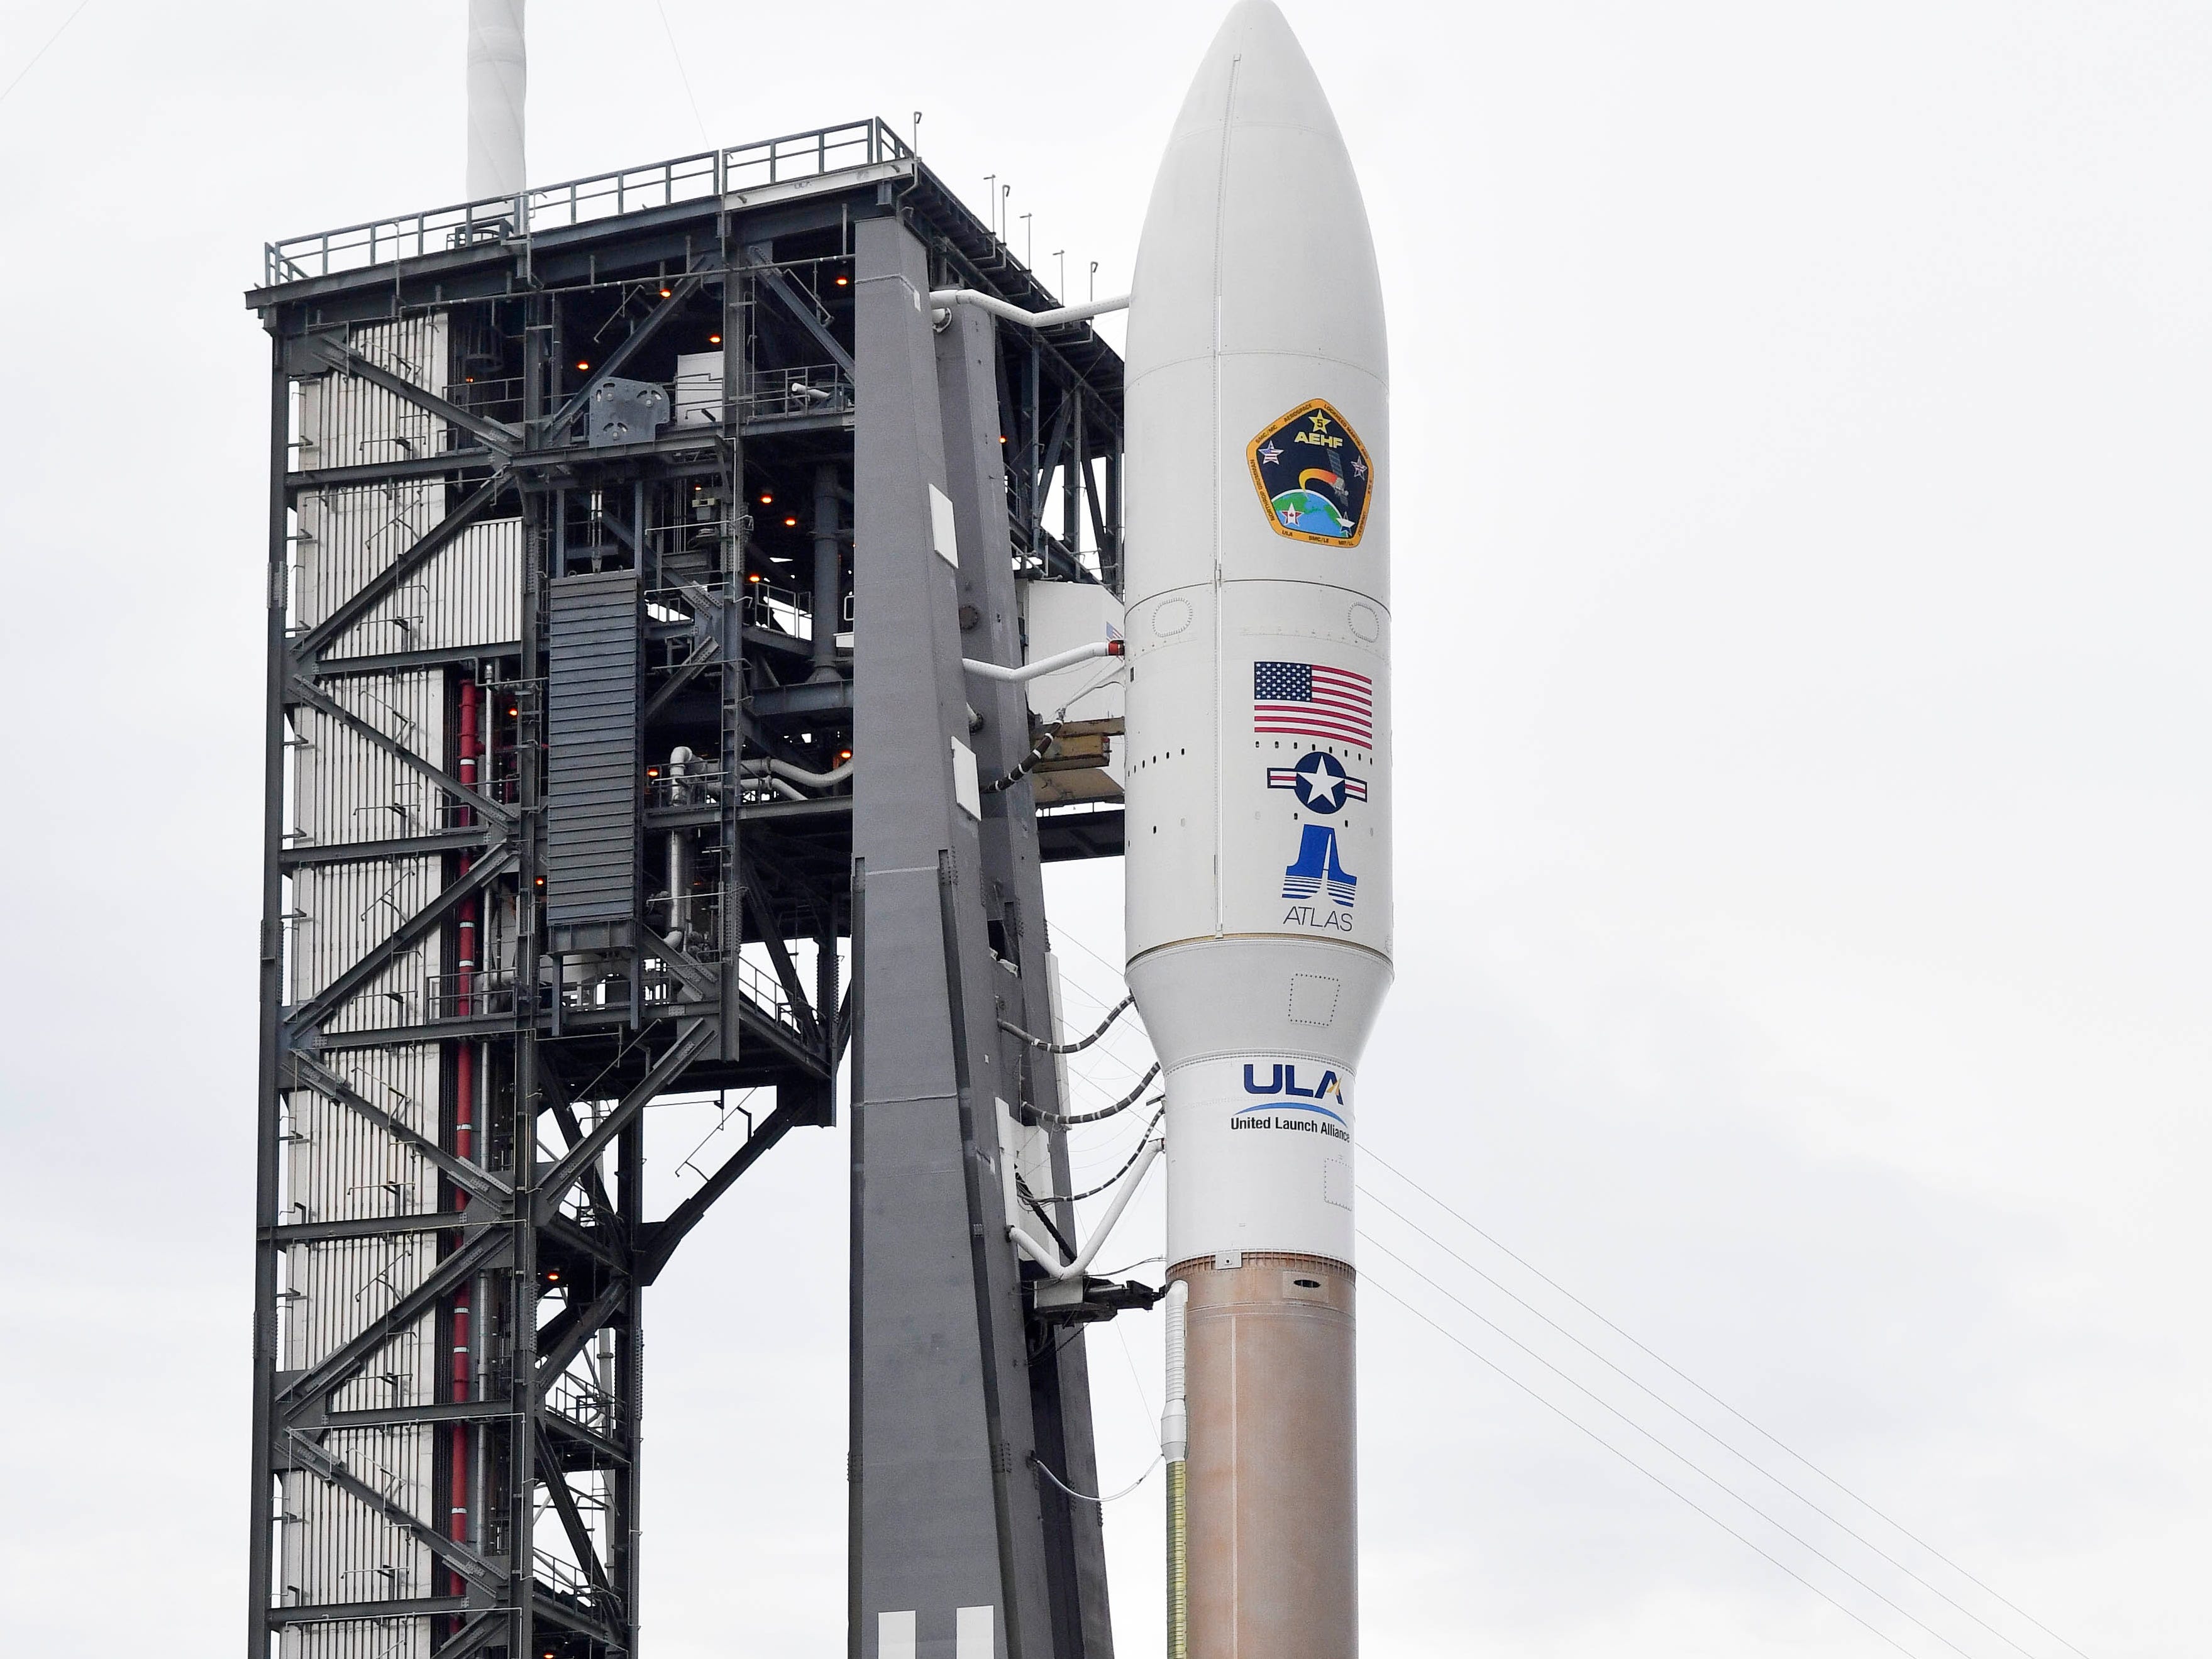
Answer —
1066 1120
1725 1446
1656 1479
1724 1404
1045 1469
682 73
1129 1266
1062 932
1803 1543
43 50
1144 1141
1113 1014
1038 750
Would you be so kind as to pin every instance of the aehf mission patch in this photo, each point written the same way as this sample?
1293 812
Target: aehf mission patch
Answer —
1313 475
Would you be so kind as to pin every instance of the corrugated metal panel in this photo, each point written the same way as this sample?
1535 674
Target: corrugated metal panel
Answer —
469 593
346 788
345 422
338 1165
337 1548
347 535
341 913
593 768
374 1638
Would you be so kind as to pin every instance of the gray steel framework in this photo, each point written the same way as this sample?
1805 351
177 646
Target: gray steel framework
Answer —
514 1235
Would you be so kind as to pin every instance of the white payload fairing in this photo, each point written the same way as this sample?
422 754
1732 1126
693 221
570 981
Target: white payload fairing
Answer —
1258 818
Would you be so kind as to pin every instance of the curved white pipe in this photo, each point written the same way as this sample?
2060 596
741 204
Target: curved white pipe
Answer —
1175 1416
944 298
991 670
799 774
1049 1260
498 80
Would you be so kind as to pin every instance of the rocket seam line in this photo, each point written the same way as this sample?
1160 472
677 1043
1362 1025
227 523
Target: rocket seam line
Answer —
1221 686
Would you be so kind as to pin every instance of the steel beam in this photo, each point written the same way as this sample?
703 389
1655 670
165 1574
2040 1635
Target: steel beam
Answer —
355 979
309 1073
299 690
665 1235
616 361
386 581
314 352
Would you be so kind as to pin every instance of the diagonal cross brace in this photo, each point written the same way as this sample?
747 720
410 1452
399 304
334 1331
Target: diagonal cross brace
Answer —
381 956
373 592
561 1342
309 1452
786 971
296 1396
297 690
779 285
572 1518
616 360
470 1637
709 651
313 351
310 1072
691 1038
688 1214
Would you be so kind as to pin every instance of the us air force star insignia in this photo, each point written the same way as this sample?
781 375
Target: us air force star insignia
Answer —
1314 476
1320 782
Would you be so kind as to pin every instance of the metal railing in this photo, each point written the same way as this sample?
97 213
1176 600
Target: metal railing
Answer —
706 174
700 784
582 1402
465 996
765 991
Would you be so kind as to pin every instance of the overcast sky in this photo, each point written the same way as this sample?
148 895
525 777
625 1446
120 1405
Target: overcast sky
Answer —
1802 418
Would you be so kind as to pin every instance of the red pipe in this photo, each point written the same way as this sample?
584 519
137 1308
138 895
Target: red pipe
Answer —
464 1096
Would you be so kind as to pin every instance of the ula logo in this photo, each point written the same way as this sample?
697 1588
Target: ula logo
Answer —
1284 1080
1284 1095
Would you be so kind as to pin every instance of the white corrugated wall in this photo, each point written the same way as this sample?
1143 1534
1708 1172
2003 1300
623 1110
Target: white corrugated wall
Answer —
345 422
338 1164
469 593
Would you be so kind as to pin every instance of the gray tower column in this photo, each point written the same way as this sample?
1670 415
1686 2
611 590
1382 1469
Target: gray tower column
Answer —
1058 1380
948 1552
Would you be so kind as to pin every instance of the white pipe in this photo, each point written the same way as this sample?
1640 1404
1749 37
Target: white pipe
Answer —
1048 1260
799 774
498 80
1175 1416
944 298
679 851
991 670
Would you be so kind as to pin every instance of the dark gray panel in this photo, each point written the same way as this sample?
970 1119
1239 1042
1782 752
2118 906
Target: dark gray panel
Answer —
594 766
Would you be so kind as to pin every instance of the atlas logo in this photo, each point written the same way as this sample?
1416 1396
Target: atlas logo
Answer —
1284 1094
1318 867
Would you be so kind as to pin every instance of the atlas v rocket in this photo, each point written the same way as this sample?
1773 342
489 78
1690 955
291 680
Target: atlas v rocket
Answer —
1259 820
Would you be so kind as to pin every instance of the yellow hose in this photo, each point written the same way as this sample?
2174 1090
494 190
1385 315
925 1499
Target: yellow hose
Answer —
1178 1567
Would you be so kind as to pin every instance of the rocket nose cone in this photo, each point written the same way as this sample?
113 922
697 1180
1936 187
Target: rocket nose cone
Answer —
1255 59
1256 237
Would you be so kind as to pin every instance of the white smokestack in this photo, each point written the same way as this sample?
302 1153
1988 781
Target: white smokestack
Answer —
498 76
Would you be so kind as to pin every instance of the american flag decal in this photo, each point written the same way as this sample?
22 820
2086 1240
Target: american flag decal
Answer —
1305 700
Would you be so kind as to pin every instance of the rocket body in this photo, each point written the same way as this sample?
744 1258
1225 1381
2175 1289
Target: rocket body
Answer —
1258 786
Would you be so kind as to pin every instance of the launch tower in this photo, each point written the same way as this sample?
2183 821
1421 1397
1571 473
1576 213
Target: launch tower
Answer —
632 542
